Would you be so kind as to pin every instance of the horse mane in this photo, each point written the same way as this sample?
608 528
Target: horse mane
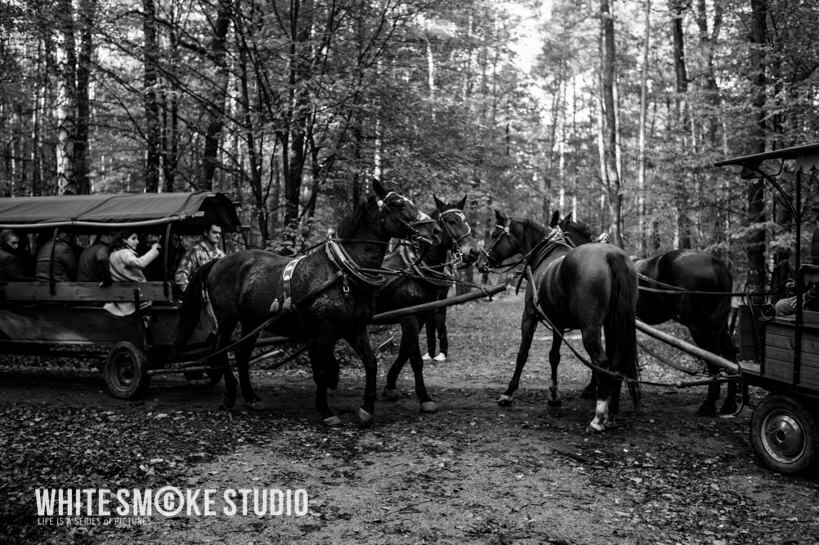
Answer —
534 232
350 224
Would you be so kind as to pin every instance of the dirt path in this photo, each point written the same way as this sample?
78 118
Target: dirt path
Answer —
472 473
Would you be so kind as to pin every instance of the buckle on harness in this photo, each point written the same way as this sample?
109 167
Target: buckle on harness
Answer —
345 286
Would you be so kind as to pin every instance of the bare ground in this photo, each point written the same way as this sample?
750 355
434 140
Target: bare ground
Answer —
472 473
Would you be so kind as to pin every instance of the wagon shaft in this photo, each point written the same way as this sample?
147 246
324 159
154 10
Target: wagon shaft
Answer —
689 348
395 315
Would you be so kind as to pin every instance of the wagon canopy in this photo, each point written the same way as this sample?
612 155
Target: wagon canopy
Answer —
190 210
807 158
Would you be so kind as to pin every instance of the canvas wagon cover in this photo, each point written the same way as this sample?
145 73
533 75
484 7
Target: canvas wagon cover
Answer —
112 209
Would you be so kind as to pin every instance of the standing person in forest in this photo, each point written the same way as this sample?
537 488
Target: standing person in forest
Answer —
436 326
200 253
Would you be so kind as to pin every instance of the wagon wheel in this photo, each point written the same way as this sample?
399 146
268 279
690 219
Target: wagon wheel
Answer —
209 377
126 371
785 434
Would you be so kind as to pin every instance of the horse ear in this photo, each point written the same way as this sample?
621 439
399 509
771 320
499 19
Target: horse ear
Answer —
500 218
568 218
555 219
379 189
461 204
439 204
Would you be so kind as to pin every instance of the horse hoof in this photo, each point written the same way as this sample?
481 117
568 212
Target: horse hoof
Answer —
429 407
391 394
595 428
554 402
505 400
706 410
256 405
365 418
332 421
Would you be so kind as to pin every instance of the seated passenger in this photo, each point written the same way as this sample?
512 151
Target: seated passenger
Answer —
126 266
93 264
64 267
11 266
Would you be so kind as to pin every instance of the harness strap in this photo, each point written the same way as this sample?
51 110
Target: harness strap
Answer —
284 300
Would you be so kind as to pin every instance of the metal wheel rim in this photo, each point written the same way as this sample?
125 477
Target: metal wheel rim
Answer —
125 372
783 437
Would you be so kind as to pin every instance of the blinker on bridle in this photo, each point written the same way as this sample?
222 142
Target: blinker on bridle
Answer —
410 226
456 250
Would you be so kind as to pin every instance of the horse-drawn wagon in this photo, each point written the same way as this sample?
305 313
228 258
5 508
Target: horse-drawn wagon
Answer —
780 354
68 318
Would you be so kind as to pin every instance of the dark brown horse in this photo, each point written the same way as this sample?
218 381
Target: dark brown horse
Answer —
422 284
692 273
320 298
592 288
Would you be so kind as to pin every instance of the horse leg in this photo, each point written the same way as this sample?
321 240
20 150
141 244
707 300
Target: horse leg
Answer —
705 340
226 330
243 352
320 353
554 362
590 391
360 342
528 324
391 389
594 348
728 351
410 331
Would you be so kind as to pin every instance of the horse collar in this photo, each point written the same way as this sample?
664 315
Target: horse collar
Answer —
339 257
424 272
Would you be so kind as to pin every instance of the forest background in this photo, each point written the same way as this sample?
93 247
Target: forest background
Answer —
613 110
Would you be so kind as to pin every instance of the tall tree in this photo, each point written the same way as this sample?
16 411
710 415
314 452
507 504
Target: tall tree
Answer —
758 37
610 135
149 94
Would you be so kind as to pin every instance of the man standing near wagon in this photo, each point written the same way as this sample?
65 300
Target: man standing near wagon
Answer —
200 253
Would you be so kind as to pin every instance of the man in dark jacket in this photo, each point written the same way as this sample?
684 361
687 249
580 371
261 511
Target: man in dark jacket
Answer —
93 264
65 261
11 267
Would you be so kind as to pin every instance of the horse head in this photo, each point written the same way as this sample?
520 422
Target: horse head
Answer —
401 218
576 231
456 234
503 242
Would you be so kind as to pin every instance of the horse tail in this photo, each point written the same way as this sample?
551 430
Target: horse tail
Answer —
621 332
189 310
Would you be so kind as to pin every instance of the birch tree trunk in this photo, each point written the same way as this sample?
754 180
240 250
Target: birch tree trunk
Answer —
610 133
66 99
87 13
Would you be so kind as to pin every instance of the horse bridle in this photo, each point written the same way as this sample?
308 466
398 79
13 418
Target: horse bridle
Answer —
410 226
456 251
505 232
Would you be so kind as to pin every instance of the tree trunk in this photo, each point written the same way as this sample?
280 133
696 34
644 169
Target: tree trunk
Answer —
66 100
610 136
87 12
150 81
641 146
215 109
677 8
755 248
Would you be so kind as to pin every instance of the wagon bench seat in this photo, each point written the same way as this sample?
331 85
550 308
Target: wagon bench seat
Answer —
79 292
